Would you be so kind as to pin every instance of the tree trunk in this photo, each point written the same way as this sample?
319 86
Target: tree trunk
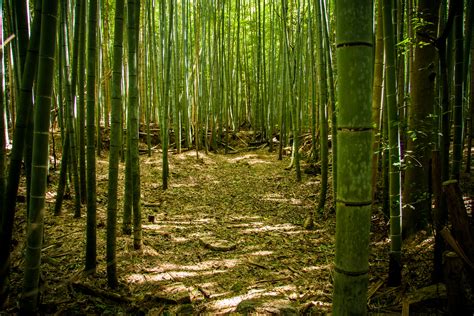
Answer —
416 199
115 132
24 110
30 294
354 42
458 85
323 100
394 273
377 94
91 236
133 118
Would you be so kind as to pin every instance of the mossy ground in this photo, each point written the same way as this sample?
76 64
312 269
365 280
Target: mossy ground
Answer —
248 199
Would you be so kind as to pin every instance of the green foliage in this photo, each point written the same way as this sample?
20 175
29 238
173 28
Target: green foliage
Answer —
406 45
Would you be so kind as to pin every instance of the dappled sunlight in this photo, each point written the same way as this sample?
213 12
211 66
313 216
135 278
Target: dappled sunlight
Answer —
278 227
201 266
102 161
295 232
225 231
237 159
190 154
170 271
251 159
275 197
317 268
164 227
169 275
286 288
258 161
242 225
179 239
382 242
261 253
189 184
319 304
200 234
178 223
150 161
50 196
205 220
428 242
244 218
232 302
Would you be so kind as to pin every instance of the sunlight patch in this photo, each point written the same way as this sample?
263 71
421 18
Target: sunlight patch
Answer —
149 161
296 232
205 220
280 199
180 239
258 161
237 159
317 268
163 227
184 185
200 234
261 253
169 275
273 195
242 218
232 302
428 242
282 227
286 288
201 266
243 225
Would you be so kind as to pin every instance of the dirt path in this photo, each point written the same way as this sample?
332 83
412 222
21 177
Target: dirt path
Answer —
247 201
250 201
226 236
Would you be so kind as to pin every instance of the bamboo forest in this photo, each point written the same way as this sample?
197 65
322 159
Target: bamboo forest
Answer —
236 157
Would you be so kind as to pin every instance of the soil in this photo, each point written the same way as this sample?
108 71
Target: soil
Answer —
227 236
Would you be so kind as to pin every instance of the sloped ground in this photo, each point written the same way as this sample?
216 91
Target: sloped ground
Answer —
226 237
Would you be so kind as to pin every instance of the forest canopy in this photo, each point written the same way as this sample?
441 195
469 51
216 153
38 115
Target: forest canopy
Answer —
368 103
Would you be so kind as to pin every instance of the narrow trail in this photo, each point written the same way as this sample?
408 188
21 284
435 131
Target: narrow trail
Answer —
225 237
248 200
228 231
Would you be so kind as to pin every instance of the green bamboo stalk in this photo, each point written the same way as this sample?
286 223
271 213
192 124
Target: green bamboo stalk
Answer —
167 71
91 235
133 118
332 97
20 10
323 100
3 133
81 115
23 112
69 148
416 198
471 95
115 132
458 94
354 46
377 95
30 293
394 273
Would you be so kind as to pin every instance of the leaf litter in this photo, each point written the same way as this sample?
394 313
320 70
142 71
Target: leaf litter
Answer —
226 237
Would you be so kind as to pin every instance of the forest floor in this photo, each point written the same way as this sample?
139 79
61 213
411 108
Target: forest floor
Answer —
226 237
